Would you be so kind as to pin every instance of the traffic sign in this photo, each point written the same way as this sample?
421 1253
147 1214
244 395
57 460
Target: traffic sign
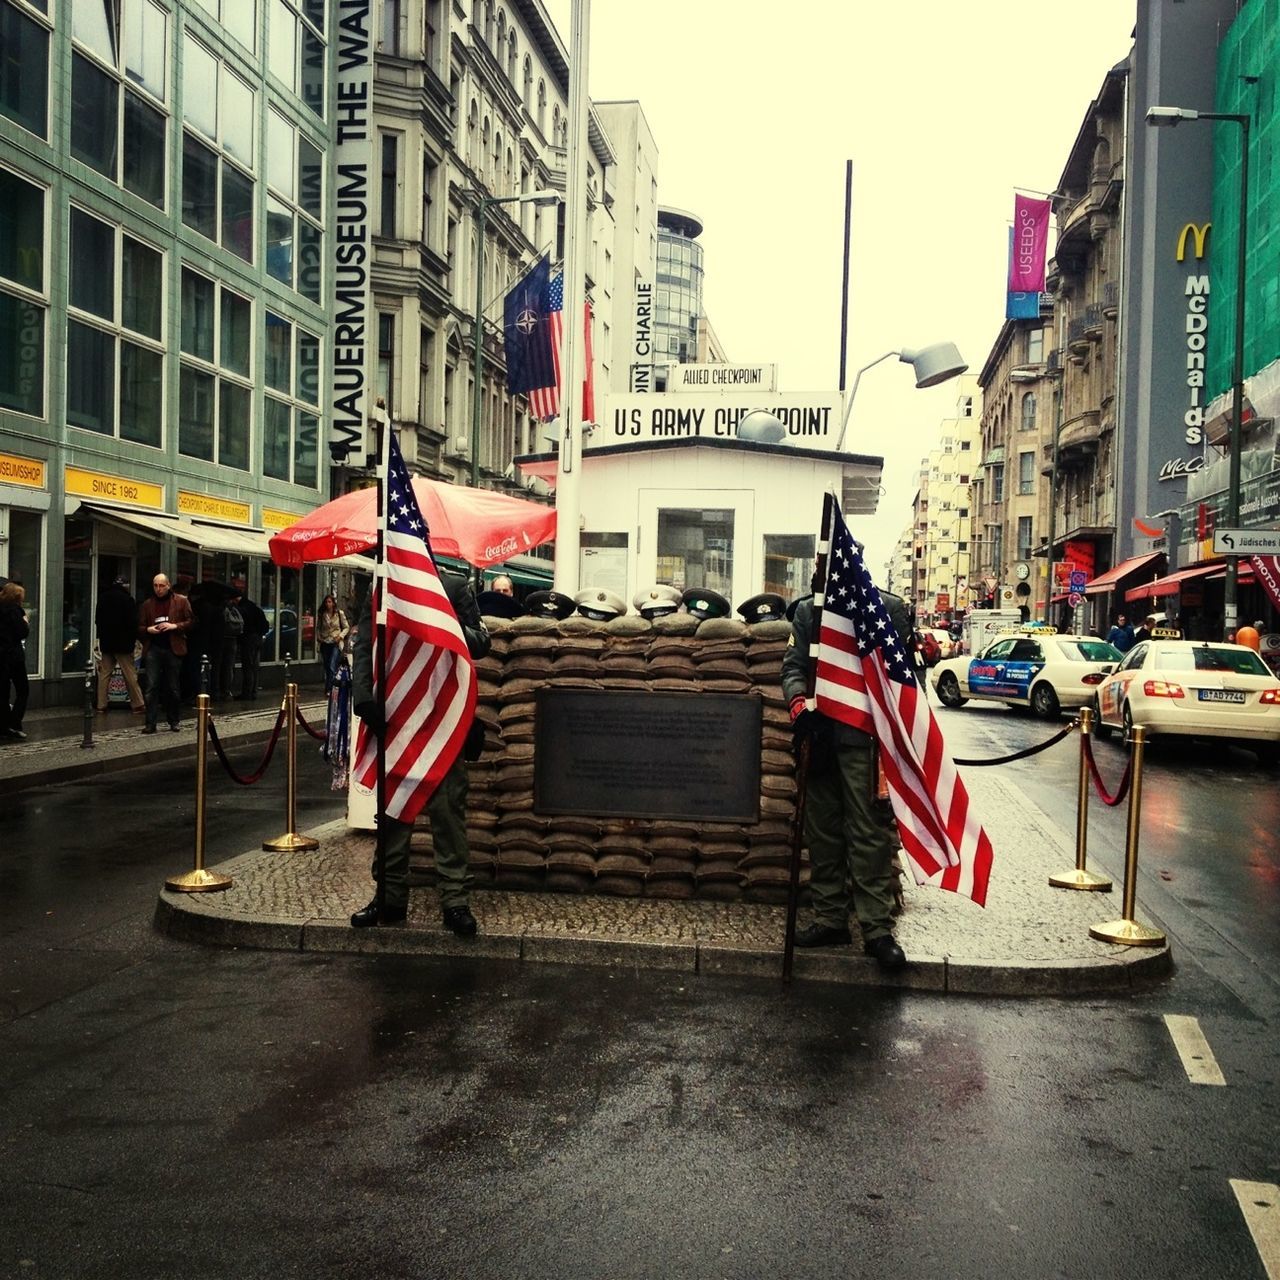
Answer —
1078 579
1246 542
1074 599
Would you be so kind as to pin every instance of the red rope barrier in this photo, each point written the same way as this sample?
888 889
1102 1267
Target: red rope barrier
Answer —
315 733
1121 791
258 773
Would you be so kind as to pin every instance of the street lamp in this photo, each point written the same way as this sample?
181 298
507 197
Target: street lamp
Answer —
931 366
1170 117
483 204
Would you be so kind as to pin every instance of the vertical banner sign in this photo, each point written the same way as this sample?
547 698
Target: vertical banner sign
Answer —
642 341
1030 240
1267 570
1020 306
350 245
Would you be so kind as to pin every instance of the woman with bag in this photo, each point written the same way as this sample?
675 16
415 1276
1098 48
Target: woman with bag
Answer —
13 660
331 630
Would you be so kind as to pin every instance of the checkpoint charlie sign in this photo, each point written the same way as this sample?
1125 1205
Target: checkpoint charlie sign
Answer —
722 377
812 420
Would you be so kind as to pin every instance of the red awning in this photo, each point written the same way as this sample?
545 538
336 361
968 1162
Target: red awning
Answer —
1173 582
1126 568
1059 599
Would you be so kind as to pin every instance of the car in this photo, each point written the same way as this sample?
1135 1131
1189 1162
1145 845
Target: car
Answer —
1032 667
945 642
1197 688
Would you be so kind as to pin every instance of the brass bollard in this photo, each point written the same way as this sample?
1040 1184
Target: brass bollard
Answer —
90 700
200 880
291 841
1079 878
1127 930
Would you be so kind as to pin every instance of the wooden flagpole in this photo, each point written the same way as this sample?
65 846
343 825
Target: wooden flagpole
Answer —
806 743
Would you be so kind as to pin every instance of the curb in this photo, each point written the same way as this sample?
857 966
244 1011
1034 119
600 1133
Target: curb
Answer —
178 917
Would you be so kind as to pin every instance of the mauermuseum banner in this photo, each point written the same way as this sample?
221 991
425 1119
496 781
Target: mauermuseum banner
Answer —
810 419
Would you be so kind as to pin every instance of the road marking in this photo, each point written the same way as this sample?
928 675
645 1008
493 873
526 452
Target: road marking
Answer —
1260 1204
1197 1058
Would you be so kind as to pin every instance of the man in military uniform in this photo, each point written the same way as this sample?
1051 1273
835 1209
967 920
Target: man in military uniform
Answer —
447 808
850 848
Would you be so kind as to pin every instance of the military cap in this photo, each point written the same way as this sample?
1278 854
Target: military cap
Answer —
496 604
549 604
600 604
766 607
705 604
657 601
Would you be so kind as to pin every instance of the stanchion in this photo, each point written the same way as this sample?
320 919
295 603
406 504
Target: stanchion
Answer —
1127 930
291 841
89 704
1079 877
200 880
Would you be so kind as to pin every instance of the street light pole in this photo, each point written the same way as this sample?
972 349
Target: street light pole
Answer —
1170 116
482 208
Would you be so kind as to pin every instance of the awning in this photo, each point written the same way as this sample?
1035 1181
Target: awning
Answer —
1126 568
1173 582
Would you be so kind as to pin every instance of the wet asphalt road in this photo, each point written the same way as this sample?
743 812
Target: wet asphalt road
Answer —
168 1110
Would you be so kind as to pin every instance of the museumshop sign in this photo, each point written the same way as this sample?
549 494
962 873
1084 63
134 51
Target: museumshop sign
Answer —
809 420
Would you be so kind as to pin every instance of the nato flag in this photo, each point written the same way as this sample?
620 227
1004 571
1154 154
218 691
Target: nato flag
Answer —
527 328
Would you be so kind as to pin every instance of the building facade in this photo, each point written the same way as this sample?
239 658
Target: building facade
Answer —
678 304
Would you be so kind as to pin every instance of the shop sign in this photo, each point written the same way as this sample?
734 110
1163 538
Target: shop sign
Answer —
811 421
722 377
105 488
28 472
642 339
206 506
272 519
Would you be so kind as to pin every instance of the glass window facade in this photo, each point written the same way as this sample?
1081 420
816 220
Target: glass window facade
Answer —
215 415
24 70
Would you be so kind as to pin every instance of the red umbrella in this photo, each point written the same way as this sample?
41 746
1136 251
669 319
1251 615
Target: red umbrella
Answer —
476 525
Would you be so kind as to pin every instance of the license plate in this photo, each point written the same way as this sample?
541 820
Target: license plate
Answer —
1221 695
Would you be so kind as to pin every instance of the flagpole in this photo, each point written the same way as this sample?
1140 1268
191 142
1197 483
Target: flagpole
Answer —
380 660
802 764
568 464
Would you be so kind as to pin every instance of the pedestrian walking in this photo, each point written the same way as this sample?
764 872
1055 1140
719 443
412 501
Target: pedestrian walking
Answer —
1121 635
256 627
163 623
116 622
851 851
13 660
331 630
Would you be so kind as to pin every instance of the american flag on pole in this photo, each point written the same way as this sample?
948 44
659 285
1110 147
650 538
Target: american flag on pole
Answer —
428 695
544 402
864 678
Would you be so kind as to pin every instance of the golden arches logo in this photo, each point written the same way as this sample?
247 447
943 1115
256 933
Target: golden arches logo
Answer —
1200 235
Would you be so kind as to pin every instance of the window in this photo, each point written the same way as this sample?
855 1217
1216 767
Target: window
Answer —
24 70
238 18
295 202
425 339
24 294
389 32
997 482
215 398
1026 473
217 189
389 190
295 48
386 358
118 76
1035 346
290 422
115 356
1028 422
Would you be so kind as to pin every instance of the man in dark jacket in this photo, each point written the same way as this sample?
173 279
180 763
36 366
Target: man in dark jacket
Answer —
850 848
250 645
116 621
447 808
163 623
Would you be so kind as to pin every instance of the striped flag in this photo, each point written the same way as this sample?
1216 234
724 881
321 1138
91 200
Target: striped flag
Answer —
544 402
534 329
429 693
864 678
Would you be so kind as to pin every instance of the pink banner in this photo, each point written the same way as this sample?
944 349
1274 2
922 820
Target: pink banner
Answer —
1267 569
1030 240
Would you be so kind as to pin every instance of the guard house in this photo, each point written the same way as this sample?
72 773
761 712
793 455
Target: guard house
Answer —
712 491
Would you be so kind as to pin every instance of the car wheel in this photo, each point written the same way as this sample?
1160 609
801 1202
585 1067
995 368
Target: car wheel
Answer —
1044 701
1100 730
949 691
1127 717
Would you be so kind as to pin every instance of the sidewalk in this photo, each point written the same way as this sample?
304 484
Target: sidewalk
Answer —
1030 939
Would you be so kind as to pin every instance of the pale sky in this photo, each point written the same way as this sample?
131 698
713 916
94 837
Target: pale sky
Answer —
943 107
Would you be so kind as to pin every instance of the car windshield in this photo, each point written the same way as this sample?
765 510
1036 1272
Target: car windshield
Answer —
1088 651
1207 657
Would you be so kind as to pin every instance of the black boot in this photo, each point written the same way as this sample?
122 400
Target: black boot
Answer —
369 916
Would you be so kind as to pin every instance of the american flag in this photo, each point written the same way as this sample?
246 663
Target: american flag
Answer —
544 402
864 678
429 694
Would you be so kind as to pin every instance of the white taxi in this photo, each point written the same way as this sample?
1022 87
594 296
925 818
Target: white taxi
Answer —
1200 688
1031 667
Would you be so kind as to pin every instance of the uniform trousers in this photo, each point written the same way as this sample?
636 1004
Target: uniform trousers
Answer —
850 850
447 813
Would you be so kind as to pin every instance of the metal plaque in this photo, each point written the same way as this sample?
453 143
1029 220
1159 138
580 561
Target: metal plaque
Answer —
603 754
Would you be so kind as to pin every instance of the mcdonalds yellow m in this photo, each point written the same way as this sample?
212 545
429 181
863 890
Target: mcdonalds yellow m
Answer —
1200 233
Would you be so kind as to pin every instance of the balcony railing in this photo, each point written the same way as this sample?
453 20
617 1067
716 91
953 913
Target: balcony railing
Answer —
1075 332
1111 298
1093 320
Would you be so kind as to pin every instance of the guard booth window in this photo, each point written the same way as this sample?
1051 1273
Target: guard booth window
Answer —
695 548
788 564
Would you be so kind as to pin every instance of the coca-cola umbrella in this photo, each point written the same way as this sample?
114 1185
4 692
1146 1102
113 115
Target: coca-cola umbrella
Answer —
476 525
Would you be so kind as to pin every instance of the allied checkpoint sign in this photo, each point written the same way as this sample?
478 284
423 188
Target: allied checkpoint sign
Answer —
811 419
692 756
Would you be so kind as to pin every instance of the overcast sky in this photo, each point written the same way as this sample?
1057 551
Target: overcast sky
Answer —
943 107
